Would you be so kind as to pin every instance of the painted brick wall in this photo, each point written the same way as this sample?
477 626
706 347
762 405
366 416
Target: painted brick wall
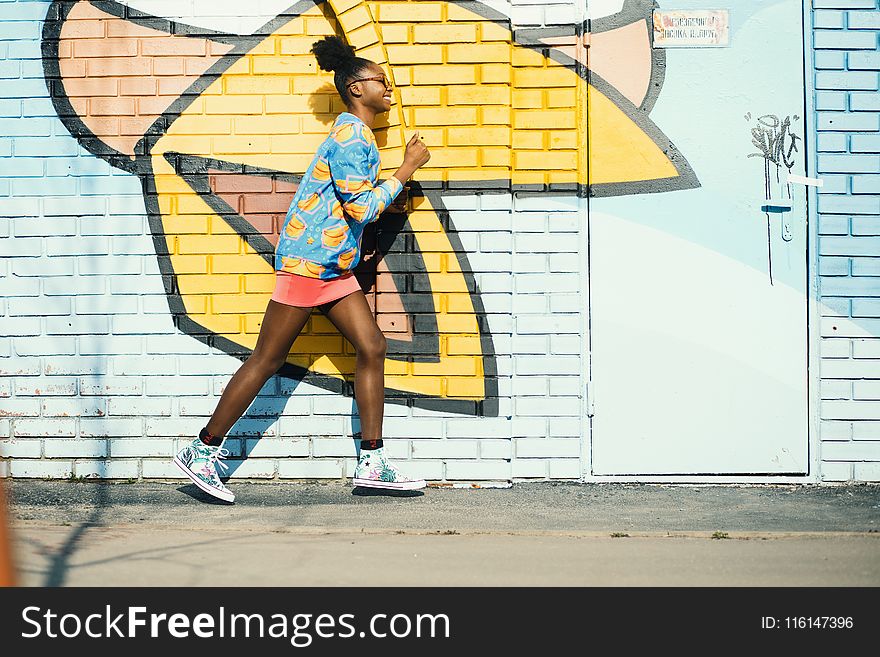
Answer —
847 69
97 378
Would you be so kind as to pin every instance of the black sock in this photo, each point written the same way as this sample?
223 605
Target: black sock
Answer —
209 439
371 444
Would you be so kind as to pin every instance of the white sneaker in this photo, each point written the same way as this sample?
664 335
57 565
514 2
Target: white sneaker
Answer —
375 471
199 462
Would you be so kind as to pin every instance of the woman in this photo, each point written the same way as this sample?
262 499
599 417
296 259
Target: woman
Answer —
318 249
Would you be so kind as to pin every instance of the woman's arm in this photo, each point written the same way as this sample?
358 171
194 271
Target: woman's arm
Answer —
350 170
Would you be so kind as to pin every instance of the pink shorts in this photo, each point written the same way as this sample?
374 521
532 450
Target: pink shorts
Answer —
305 292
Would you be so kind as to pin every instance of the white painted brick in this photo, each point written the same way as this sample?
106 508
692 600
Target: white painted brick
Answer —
461 202
540 202
565 468
253 469
116 469
20 366
564 427
167 427
310 469
75 448
207 364
67 286
835 430
566 344
530 344
832 471
549 365
529 263
546 447
534 386
529 223
139 365
478 470
161 469
140 447
866 430
397 427
177 386
5 428
866 389
111 385
333 447
490 201
834 307
849 369
838 348
278 447
850 410
548 324
67 365
489 427
495 449
142 324
20 449
834 389
22 326
529 468
855 451
92 265
551 407
93 427
528 427
198 406
523 304
494 282
20 407
331 405
139 406
105 305
866 471
50 346
439 449
50 469
311 426
543 283
45 427
562 386
252 427
869 348
4 469
80 406
24 307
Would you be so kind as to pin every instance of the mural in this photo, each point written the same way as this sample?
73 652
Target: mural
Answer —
220 126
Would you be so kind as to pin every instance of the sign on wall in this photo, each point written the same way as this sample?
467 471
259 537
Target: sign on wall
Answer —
691 28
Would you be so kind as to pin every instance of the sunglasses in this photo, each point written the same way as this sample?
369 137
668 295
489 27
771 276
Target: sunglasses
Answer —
378 78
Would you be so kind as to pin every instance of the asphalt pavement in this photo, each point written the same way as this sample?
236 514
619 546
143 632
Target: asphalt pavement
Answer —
554 534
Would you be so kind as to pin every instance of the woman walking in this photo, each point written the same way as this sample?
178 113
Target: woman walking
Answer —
317 251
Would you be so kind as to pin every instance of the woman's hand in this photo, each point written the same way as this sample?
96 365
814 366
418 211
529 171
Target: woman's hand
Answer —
417 154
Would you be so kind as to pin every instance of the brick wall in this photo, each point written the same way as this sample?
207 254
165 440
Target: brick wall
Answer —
98 376
847 69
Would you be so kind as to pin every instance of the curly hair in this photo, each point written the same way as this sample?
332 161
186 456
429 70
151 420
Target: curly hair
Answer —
334 54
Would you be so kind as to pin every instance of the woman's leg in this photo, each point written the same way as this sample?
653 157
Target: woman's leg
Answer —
354 319
281 325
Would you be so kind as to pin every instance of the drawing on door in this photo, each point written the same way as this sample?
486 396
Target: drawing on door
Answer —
698 357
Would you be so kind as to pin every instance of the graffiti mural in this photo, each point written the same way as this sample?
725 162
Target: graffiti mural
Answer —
219 127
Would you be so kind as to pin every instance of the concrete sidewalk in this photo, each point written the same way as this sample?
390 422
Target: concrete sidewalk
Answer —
558 534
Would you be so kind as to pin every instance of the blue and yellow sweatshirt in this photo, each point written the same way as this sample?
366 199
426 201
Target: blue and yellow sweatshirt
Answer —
336 199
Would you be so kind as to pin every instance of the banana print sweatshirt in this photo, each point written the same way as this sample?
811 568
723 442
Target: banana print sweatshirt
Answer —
336 199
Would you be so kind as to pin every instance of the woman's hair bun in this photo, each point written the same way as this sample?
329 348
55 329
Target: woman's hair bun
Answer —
333 53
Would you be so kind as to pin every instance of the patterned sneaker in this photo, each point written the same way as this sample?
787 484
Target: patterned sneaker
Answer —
375 471
198 462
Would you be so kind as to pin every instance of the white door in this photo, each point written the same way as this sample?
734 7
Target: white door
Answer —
698 300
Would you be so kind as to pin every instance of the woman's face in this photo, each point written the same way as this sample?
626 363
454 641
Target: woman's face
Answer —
372 93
